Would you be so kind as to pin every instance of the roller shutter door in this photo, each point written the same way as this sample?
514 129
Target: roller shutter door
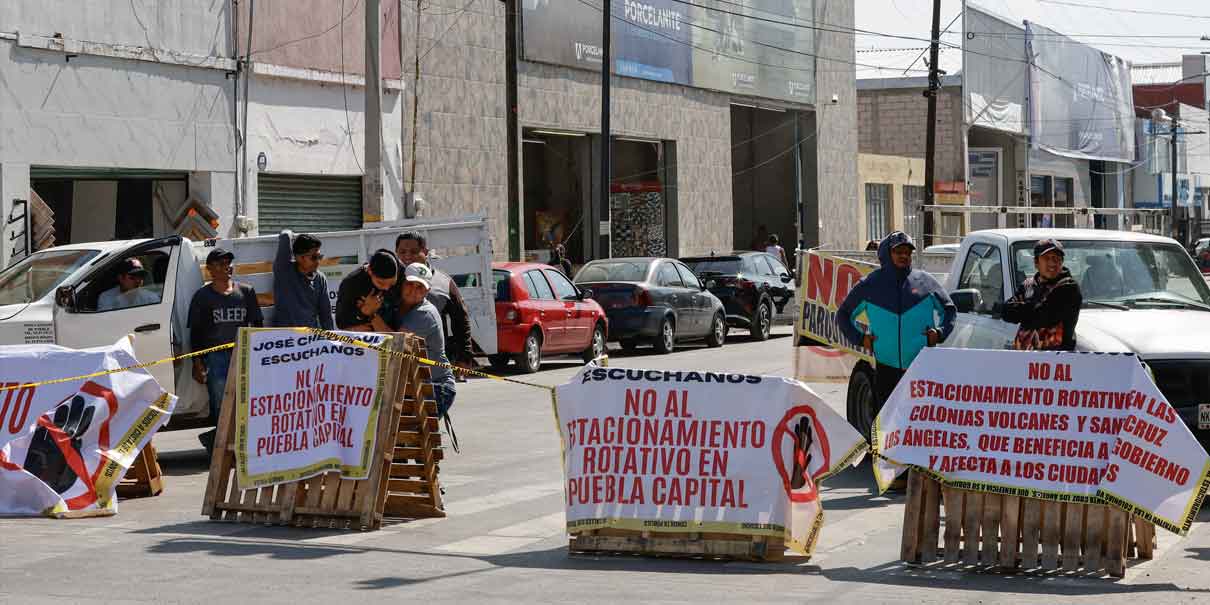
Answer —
306 203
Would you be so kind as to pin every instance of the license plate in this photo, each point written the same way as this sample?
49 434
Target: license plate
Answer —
1203 416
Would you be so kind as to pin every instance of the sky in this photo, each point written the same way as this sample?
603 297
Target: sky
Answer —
1141 36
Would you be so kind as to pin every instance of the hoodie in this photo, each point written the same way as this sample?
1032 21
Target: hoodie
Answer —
900 306
1047 312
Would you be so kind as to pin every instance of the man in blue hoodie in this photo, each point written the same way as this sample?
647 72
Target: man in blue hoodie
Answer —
906 310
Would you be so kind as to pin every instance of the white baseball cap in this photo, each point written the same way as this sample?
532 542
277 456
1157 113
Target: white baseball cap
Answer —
420 273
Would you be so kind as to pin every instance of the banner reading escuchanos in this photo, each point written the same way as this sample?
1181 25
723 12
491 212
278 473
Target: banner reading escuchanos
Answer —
687 451
306 405
1072 427
64 447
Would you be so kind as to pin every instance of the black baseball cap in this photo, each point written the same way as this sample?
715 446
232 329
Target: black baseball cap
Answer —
1048 245
219 254
132 266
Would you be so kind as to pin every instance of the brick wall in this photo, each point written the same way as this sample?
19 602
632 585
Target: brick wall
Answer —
893 122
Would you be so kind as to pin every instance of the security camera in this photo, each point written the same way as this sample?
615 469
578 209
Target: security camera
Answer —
835 98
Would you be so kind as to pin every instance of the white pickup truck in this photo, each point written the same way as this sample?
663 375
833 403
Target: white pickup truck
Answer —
1142 294
51 295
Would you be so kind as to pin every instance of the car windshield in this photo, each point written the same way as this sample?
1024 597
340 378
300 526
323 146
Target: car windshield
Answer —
613 271
1131 274
500 283
35 276
724 265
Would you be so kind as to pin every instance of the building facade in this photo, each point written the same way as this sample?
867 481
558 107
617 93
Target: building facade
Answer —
241 118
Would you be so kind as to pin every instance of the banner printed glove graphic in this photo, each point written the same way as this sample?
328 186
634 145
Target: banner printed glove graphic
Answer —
803 439
54 453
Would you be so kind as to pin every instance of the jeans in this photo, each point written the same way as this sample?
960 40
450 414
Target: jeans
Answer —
444 394
886 378
217 364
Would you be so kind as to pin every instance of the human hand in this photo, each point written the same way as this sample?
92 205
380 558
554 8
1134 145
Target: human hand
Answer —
199 371
47 458
933 336
867 342
370 304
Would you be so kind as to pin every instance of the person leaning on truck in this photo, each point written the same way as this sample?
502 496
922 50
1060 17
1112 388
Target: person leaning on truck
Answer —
363 295
902 305
300 291
1047 305
411 247
216 313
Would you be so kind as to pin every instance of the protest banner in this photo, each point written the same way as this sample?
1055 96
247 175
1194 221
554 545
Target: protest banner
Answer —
664 452
828 357
306 405
1064 427
347 467
65 446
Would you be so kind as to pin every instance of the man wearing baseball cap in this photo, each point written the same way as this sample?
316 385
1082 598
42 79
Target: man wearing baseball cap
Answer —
216 313
419 316
130 291
1047 305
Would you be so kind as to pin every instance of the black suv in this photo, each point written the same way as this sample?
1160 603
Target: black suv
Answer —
753 286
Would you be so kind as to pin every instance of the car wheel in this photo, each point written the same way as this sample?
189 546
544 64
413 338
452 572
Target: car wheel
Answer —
630 345
666 341
859 407
596 348
498 361
762 324
530 358
718 332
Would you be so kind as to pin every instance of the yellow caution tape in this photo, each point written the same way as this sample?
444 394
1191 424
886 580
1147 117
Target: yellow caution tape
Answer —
322 333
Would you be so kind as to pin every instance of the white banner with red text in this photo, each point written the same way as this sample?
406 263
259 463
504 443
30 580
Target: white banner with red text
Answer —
306 405
65 446
689 451
827 280
1070 427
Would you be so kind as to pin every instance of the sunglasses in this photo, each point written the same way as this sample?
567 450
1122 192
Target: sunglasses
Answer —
314 255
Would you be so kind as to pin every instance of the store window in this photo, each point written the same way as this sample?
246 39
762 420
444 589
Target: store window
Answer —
877 210
638 200
1064 199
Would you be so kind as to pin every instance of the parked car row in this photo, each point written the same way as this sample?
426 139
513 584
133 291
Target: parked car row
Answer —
657 302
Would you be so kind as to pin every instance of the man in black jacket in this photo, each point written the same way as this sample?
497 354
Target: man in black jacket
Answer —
1047 306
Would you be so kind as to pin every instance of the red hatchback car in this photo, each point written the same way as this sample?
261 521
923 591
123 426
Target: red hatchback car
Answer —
540 312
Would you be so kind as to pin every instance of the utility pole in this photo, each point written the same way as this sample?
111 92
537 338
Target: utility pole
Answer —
930 141
513 131
371 184
606 142
1173 231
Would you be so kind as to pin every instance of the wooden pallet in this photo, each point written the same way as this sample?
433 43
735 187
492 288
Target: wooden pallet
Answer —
681 545
144 478
412 488
326 500
992 530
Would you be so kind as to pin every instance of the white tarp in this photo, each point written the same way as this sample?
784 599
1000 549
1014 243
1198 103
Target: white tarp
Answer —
1082 103
306 405
64 447
993 71
689 451
1070 427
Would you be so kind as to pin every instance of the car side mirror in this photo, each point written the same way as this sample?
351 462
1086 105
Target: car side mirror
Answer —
65 298
585 293
967 301
786 278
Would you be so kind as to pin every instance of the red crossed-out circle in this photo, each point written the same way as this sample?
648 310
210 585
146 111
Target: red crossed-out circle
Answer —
821 437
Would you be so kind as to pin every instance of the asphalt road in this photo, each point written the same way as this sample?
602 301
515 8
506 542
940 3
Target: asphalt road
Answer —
503 540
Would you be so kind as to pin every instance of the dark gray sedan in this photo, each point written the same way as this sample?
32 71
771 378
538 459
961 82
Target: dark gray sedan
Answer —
656 301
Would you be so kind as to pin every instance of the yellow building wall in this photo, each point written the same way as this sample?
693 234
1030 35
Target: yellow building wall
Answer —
892 170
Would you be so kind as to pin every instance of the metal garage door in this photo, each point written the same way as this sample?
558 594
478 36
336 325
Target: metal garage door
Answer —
308 203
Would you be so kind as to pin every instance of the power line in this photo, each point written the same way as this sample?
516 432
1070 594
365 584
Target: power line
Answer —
339 24
1123 10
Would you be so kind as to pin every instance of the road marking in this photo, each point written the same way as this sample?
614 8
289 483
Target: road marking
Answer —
512 537
486 502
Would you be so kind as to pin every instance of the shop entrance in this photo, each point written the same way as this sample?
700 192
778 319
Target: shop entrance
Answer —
557 169
764 183
91 205
640 200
